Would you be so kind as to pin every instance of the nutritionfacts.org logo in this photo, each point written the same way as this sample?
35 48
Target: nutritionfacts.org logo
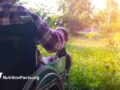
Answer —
1 75
18 77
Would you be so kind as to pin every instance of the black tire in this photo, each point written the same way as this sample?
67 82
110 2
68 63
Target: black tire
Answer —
31 83
57 86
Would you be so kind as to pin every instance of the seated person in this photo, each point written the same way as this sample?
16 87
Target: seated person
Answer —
52 41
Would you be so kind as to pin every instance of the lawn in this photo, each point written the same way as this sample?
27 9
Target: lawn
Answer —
95 65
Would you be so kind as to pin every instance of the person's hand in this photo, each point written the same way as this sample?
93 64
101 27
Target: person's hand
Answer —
64 30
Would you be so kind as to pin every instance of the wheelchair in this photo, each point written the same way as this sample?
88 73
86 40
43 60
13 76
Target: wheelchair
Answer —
18 58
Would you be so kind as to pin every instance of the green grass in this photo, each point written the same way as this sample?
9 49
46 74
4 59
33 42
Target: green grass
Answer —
94 68
94 65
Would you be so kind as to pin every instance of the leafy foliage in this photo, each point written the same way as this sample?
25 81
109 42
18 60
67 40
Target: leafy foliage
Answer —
81 12
76 14
109 18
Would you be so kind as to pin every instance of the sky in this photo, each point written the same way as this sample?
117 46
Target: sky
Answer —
98 4
52 4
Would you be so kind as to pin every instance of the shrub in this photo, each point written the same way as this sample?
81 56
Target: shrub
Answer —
90 35
116 37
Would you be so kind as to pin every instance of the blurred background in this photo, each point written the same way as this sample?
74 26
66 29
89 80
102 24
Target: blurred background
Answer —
94 39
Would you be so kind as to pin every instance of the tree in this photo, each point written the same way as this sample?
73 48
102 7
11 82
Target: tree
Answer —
108 18
112 9
75 7
76 14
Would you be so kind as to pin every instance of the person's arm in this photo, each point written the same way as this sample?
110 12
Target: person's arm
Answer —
52 41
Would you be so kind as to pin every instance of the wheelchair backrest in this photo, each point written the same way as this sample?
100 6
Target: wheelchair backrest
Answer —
17 54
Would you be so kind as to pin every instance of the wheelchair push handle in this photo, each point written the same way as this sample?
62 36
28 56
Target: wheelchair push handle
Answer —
62 53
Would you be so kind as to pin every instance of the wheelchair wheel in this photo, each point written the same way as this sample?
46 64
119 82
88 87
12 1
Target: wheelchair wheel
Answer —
54 84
